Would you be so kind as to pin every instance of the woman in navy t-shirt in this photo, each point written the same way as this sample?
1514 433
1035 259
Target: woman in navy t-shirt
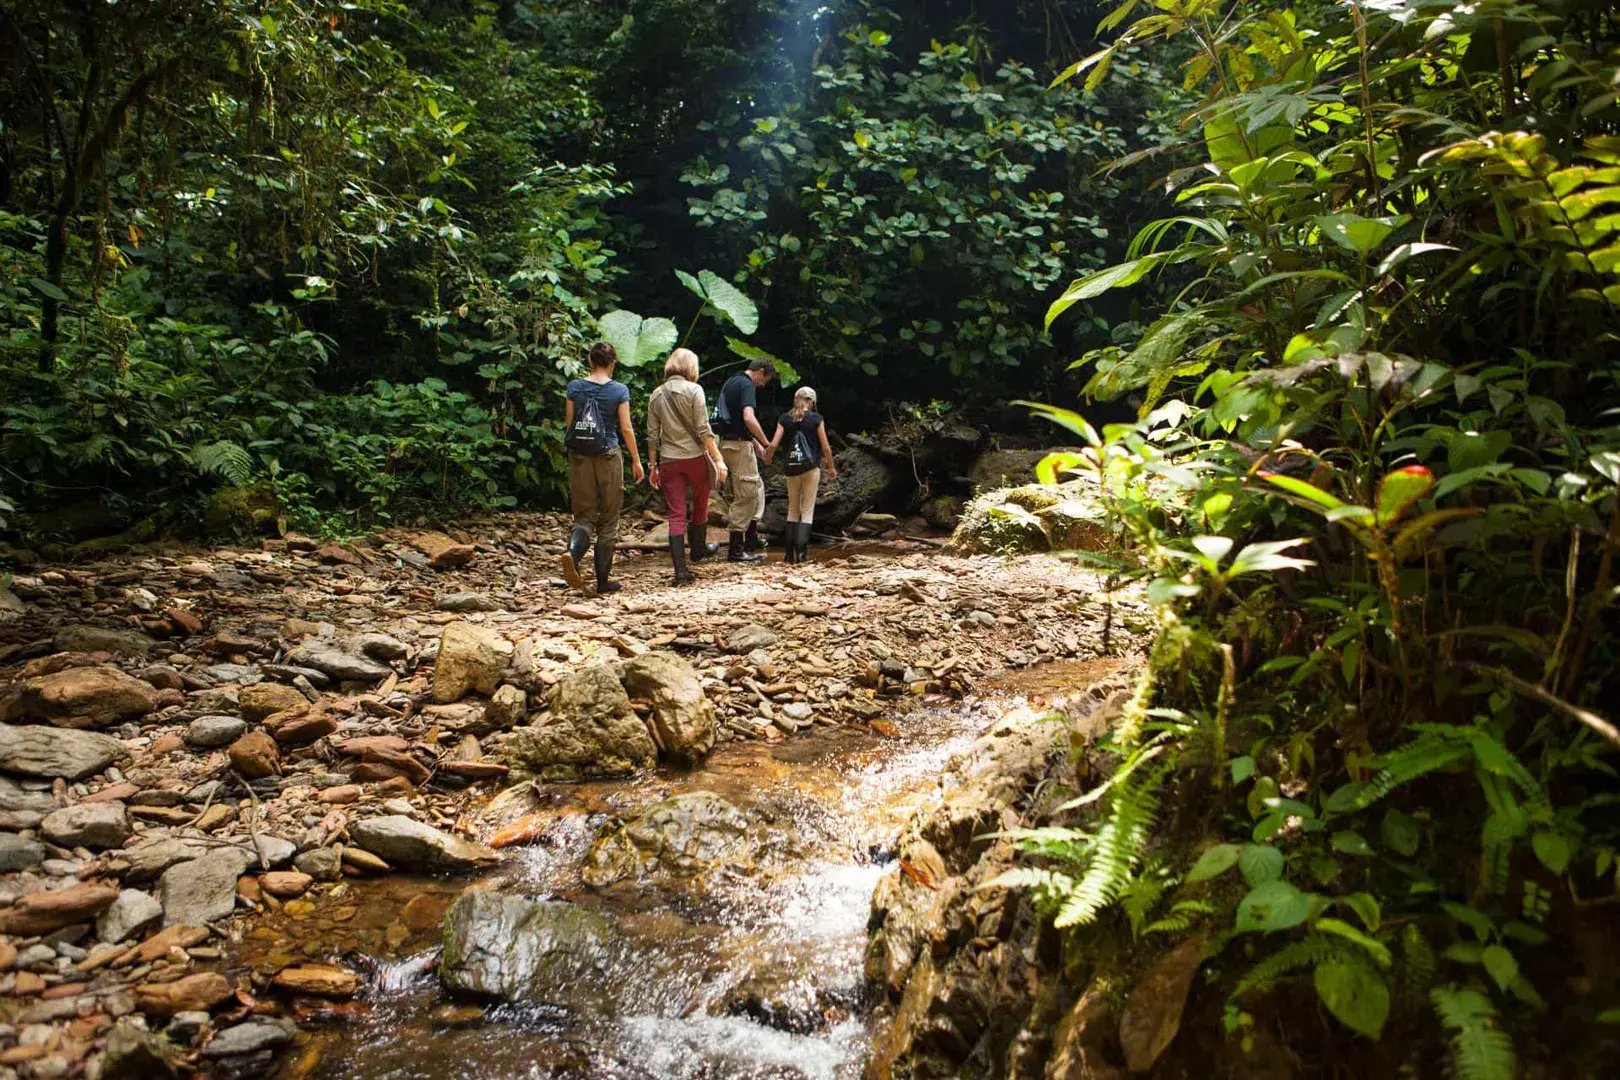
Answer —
807 453
595 419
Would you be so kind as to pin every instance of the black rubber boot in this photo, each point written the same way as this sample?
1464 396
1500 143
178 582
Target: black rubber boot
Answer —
790 549
735 552
604 568
699 544
804 541
677 555
579 542
751 539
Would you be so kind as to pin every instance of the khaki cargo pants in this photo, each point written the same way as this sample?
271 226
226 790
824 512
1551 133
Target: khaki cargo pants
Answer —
596 493
745 490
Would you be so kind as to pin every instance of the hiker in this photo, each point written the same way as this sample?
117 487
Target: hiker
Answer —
742 443
596 418
804 433
680 451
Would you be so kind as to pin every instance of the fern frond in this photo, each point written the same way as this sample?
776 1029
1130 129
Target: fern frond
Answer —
1480 1050
223 458
1181 916
1423 755
1138 899
1417 964
1307 952
1135 760
1117 850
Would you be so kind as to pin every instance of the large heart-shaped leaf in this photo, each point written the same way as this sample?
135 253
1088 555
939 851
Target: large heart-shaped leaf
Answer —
638 341
1355 992
724 297
1273 905
786 373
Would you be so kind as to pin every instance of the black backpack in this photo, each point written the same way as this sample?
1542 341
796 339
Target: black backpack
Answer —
720 415
802 456
589 432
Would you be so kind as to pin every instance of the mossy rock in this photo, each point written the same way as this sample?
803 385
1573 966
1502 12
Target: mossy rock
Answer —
241 511
1032 518
998 469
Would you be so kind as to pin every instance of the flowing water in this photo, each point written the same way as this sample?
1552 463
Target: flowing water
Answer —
750 970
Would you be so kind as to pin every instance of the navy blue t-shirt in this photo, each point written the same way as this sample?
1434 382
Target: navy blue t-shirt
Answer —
739 393
609 396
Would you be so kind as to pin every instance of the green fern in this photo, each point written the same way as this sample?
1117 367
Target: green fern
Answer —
1423 755
1117 849
1417 964
1480 1050
1307 952
223 458
1139 897
1183 913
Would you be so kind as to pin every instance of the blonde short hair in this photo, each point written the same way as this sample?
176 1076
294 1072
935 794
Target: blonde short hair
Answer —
682 362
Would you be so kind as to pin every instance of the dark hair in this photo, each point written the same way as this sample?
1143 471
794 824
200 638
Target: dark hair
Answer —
763 365
602 355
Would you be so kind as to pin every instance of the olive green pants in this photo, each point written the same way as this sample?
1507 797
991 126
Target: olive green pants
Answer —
596 493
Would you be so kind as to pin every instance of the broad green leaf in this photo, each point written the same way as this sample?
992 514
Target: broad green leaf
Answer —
1308 492
1274 905
1094 285
1404 252
46 288
1367 909
1049 468
1355 993
638 341
1355 233
1400 833
1377 950
1214 862
1350 842
1260 863
724 297
1552 848
1066 418
1400 490
1267 557
786 373
1500 965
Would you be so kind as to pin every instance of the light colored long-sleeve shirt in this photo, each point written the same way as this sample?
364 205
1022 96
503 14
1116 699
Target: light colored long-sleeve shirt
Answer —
677 421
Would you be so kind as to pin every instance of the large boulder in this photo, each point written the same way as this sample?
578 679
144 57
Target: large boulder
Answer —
88 824
52 752
592 732
513 948
408 844
684 836
95 696
995 469
864 481
471 659
682 715
203 889
1036 517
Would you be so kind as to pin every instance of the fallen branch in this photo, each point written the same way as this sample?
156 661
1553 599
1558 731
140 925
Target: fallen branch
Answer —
1548 698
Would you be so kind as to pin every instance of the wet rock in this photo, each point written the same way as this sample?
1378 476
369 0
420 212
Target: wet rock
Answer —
686 834
42 912
471 658
19 854
592 732
409 844
196 892
255 755
192 993
334 660
266 699
682 715
136 1054
750 636
498 945
134 910
321 864
286 884
318 980
209 732
251 1037
88 824
91 639
80 697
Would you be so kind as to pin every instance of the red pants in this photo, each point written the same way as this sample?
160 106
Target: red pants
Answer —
675 477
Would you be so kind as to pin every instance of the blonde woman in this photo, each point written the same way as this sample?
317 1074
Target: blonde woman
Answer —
680 451
808 453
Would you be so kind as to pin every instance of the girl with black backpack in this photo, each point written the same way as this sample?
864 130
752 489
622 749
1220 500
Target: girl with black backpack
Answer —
595 419
804 434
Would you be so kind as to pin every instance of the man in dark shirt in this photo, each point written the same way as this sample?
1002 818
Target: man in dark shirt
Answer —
742 443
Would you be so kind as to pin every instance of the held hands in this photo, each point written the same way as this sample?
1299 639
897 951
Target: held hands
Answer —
762 451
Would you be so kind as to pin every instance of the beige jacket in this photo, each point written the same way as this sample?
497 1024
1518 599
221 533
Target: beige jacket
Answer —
677 421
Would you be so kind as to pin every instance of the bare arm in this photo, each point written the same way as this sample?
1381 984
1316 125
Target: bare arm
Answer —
568 413
627 432
826 453
751 422
776 440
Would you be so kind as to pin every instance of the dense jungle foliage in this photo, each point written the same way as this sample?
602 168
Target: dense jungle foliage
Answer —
1374 487
335 262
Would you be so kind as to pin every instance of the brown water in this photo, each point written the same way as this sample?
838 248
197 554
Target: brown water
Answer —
827 806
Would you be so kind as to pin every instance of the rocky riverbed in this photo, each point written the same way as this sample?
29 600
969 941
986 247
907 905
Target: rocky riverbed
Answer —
243 792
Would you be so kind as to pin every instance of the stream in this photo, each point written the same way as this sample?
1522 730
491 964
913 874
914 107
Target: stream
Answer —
743 962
